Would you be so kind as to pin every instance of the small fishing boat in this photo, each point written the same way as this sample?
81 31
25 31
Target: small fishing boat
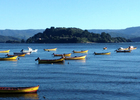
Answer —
82 51
54 49
125 51
76 58
9 58
19 55
121 48
29 50
103 53
132 48
19 89
105 48
69 54
60 60
32 50
5 51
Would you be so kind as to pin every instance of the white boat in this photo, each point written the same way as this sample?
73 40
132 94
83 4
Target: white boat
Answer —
29 50
32 50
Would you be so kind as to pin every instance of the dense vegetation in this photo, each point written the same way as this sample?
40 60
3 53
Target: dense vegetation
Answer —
72 35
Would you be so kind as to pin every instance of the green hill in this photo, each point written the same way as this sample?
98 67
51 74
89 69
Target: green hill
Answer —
72 35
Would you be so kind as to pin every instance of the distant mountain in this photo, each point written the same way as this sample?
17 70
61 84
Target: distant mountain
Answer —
22 34
128 33
137 39
132 33
3 39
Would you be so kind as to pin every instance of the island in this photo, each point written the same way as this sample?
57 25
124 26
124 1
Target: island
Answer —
73 35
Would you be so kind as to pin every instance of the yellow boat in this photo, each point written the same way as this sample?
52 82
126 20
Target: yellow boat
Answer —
9 58
19 55
54 49
19 89
103 53
5 51
60 60
69 54
82 51
76 58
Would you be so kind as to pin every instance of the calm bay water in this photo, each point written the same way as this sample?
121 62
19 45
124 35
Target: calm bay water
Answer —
99 77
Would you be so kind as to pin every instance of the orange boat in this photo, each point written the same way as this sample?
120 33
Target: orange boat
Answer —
19 89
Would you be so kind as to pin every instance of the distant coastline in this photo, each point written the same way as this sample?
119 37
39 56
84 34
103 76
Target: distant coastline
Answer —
73 35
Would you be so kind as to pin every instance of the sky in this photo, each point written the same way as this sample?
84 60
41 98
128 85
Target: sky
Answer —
83 14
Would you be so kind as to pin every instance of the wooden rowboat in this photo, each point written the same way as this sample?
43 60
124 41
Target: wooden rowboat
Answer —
19 89
19 55
121 51
9 58
5 51
54 49
76 58
103 53
69 54
60 60
82 51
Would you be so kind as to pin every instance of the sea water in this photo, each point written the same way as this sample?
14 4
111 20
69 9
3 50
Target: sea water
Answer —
98 77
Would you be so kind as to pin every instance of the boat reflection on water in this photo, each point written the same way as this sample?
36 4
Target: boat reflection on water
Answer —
82 60
60 63
28 96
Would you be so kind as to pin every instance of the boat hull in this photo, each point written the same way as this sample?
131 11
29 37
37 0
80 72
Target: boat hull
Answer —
123 51
75 58
107 53
85 51
19 55
9 58
54 49
61 60
69 54
19 89
5 51
132 48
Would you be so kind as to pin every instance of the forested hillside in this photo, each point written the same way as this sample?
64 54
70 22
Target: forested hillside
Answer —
73 35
